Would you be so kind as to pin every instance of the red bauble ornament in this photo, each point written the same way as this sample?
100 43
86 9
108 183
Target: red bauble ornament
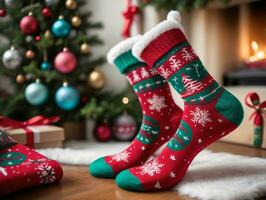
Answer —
46 12
2 12
103 132
65 61
28 24
37 38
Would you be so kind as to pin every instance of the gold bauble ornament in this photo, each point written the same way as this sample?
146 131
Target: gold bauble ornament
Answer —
20 79
85 48
47 34
71 4
30 54
76 21
96 79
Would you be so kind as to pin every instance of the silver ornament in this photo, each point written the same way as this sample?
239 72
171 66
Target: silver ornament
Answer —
29 39
12 58
51 2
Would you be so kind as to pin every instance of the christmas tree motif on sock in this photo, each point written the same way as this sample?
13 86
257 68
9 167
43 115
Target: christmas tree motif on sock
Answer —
210 111
158 108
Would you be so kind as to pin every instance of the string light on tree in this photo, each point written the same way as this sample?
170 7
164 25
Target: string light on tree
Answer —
125 100
76 21
71 4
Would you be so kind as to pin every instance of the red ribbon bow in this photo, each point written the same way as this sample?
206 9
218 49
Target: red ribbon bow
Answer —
129 14
8 123
252 100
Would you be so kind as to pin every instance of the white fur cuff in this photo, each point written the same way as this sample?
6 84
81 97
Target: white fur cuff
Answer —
121 48
173 22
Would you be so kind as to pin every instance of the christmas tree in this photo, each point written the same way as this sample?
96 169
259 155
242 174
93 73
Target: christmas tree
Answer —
48 58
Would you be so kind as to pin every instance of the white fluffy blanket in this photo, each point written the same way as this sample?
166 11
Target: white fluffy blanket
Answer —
211 176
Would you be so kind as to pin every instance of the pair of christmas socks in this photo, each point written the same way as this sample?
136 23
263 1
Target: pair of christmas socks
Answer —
210 111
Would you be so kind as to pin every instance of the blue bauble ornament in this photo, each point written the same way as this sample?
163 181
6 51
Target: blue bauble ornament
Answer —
61 28
67 97
36 93
46 65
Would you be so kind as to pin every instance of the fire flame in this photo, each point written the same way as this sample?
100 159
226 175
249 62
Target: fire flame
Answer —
258 53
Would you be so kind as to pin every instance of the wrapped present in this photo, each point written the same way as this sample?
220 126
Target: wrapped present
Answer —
252 131
34 132
22 167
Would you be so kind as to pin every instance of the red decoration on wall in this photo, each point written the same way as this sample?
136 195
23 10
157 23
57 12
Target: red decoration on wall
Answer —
252 100
129 14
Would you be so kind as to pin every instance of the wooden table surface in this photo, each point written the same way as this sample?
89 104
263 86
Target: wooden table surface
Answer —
78 184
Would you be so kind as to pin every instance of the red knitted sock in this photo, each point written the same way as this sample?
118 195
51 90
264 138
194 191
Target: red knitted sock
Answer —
22 167
210 112
160 114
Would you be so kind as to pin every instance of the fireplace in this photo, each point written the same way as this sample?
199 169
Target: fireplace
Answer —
231 40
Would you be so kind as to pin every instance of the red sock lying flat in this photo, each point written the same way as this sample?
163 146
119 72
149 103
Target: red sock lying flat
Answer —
22 167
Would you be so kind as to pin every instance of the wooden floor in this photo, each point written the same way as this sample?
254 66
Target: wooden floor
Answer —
77 184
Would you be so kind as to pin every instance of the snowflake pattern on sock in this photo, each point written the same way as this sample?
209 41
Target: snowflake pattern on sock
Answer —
200 116
151 168
122 156
156 103
46 173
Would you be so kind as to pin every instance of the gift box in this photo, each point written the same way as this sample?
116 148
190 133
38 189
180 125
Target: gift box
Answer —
44 136
249 132
35 132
